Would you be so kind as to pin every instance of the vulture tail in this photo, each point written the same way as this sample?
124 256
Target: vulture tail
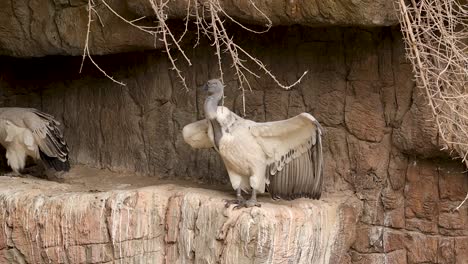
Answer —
55 163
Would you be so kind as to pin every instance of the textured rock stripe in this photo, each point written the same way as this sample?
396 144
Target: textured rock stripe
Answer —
165 224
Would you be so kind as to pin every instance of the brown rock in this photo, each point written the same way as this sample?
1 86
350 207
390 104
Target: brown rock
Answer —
395 218
373 212
416 135
58 255
324 92
173 215
358 258
446 252
453 183
397 167
276 105
364 118
254 107
37 28
393 202
362 57
348 220
421 248
391 199
336 153
394 240
369 239
280 13
461 250
169 222
296 103
369 170
331 107
3 241
346 259
396 257
421 194
404 76
77 254
100 253
451 222
369 161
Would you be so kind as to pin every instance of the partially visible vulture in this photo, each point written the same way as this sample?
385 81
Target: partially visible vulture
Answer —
283 156
29 132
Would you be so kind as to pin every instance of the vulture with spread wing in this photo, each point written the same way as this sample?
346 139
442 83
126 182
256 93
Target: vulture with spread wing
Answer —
29 132
285 157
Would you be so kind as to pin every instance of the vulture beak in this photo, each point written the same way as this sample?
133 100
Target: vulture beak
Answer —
205 87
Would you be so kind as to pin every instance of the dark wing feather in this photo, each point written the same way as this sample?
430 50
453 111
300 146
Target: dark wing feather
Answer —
295 161
53 148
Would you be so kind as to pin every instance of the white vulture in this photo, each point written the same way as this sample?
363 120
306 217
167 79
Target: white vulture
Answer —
29 132
285 157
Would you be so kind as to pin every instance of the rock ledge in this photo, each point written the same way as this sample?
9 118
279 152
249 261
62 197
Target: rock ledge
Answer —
47 222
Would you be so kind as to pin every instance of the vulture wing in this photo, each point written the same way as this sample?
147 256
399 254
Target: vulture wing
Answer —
294 155
53 149
196 134
47 134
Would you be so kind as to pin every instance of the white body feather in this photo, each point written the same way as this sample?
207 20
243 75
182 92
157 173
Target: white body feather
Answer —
19 143
243 157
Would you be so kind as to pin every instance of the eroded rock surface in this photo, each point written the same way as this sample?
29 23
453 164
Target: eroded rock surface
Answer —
58 27
54 223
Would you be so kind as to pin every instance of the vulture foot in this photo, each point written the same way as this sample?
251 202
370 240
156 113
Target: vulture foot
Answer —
13 174
247 204
237 201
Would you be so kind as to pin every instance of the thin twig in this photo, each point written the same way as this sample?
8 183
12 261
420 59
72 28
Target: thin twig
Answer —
461 204
86 52
214 29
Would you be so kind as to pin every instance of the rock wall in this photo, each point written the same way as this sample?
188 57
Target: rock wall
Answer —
378 143
32 28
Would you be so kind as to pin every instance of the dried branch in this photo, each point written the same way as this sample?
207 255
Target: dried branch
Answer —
436 36
209 18
461 204
86 52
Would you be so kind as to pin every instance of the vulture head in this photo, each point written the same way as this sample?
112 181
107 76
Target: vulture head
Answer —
213 86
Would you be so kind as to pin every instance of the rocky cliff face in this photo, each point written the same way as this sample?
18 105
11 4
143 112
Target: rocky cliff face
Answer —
379 150
58 27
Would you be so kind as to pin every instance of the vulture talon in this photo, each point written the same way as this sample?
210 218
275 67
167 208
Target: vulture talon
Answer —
248 204
234 201
13 174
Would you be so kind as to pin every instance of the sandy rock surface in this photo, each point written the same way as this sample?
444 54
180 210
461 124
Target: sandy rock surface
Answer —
48 222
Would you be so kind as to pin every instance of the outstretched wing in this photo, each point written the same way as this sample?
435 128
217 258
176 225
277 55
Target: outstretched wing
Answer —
196 134
294 154
52 145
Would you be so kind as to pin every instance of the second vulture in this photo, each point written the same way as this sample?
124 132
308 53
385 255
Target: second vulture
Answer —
29 132
285 157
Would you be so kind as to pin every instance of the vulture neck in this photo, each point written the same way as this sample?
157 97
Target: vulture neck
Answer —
211 105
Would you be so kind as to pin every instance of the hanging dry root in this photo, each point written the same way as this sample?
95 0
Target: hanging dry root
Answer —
436 36
209 18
